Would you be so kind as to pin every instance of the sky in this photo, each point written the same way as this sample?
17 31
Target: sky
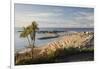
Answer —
53 16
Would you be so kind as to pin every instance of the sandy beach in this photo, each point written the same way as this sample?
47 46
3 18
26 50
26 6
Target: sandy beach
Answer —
74 40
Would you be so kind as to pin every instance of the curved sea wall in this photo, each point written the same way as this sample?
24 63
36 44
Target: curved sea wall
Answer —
54 48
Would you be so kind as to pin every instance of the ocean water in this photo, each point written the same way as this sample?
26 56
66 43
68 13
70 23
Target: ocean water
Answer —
20 43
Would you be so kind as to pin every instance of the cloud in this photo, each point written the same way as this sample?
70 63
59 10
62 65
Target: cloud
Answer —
55 17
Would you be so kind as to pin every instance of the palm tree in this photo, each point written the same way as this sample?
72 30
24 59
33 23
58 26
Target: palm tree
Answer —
34 28
24 34
30 30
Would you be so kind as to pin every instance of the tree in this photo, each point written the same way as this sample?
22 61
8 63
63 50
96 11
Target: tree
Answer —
34 28
24 34
30 30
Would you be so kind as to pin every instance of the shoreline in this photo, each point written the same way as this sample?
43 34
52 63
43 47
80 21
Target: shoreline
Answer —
77 40
42 41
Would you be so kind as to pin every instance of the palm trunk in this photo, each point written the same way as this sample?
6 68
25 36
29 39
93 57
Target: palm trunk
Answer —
29 41
33 43
34 38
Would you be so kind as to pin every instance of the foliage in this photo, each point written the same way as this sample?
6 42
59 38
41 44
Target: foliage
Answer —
58 54
30 30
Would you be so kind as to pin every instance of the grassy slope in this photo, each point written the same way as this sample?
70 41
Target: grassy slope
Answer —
65 55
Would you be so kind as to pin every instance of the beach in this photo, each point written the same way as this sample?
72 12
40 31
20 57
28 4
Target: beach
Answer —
21 43
66 46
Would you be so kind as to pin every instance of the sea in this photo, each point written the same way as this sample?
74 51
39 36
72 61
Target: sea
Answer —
21 43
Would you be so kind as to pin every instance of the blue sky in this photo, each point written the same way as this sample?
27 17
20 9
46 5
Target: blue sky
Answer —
54 16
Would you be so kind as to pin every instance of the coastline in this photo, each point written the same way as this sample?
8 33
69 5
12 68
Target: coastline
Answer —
21 43
78 41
